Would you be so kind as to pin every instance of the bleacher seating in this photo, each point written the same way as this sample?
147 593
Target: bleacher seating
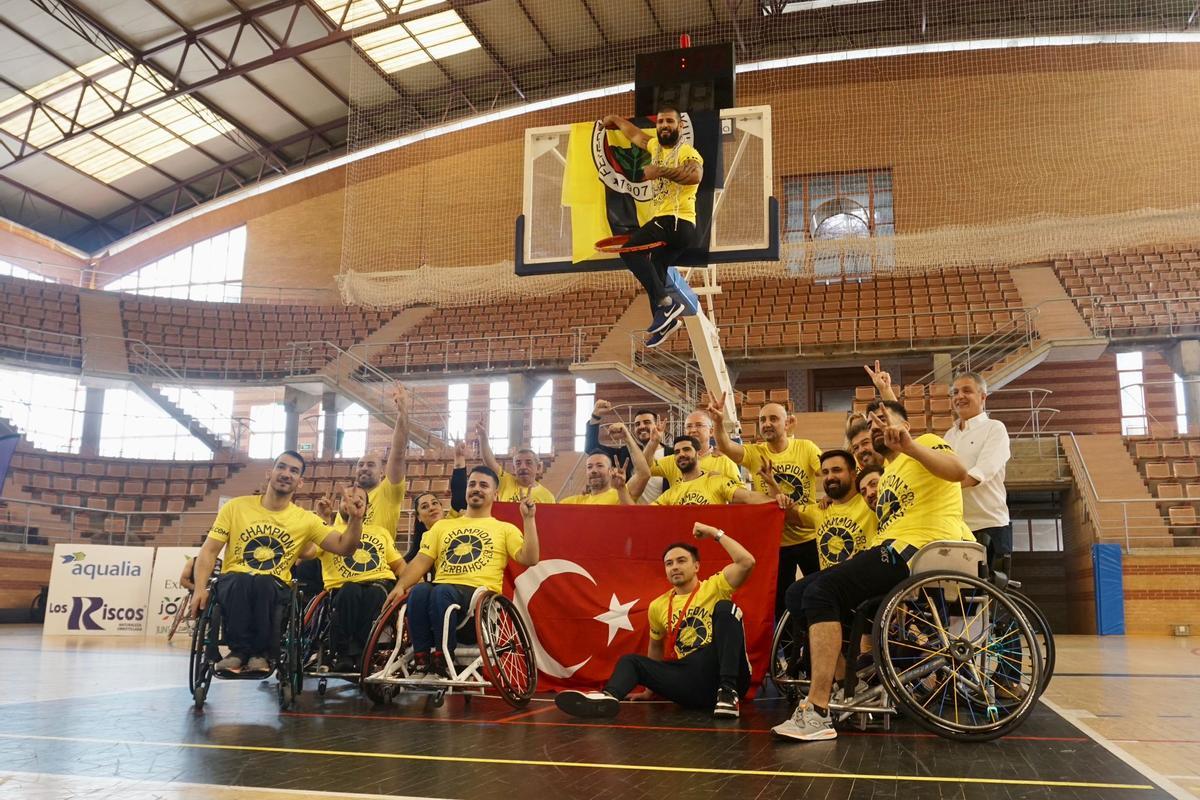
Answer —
203 340
39 322
534 332
764 316
928 406
751 403
111 487
1168 463
1143 291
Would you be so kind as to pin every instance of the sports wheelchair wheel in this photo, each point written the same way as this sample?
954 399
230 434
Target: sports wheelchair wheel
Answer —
957 656
180 616
1041 631
506 650
380 646
789 672
288 667
315 632
204 654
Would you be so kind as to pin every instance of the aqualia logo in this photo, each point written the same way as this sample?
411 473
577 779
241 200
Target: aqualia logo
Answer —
124 569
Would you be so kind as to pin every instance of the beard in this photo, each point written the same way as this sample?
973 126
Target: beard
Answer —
879 447
836 489
668 138
685 465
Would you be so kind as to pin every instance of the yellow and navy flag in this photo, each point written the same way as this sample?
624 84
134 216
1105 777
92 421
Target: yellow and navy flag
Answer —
604 188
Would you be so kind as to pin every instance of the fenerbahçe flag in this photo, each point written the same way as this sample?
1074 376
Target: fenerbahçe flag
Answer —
601 566
606 192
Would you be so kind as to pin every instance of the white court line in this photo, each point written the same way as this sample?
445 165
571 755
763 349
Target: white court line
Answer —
128 784
1075 717
85 694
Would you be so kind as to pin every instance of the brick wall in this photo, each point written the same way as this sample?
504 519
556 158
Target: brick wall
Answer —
1161 591
1086 392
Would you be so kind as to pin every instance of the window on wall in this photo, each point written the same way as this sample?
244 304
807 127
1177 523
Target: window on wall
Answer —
135 427
498 416
1038 534
13 271
1133 395
208 270
353 421
542 427
456 422
46 409
1181 421
585 401
268 424
843 205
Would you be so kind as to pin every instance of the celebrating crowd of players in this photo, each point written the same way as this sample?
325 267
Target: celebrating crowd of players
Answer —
854 517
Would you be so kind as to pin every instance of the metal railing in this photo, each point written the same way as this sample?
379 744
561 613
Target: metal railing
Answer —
682 376
1141 319
34 346
987 352
1031 418
21 524
88 278
913 330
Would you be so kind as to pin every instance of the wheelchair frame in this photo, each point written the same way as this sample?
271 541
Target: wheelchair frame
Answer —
502 645
208 639
940 569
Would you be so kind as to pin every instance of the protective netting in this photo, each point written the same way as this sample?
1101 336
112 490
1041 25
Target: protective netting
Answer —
972 134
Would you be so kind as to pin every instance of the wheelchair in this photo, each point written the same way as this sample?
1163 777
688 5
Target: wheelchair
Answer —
500 657
209 647
181 619
316 642
963 657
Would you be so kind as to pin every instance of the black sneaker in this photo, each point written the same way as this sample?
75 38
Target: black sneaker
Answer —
590 705
438 664
344 664
661 336
420 665
727 704
664 315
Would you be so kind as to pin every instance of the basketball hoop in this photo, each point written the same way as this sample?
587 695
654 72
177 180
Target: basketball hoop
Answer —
618 244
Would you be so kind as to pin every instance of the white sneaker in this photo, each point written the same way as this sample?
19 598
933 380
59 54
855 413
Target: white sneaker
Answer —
592 705
258 664
806 725
228 664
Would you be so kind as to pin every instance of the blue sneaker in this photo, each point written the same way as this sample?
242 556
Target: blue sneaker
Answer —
661 336
665 315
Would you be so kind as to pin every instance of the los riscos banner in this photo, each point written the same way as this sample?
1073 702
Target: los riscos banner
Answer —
166 594
98 590
601 566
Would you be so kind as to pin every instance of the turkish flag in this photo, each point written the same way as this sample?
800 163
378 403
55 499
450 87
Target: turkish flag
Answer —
601 566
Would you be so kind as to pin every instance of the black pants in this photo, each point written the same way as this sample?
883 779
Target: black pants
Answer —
804 556
693 680
355 607
251 609
650 266
831 595
998 542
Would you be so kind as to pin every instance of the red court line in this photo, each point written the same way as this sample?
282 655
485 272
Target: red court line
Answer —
613 726
535 712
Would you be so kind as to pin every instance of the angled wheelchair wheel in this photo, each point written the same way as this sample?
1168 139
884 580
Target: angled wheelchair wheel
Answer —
788 659
288 668
180 617
958 656
382 642
507 652
1041 632
315 631
204 646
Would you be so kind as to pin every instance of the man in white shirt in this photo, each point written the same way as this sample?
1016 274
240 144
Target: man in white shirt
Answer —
982 444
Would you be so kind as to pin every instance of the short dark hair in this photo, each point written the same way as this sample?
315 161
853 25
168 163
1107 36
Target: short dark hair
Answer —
642 411
685 438
601 452
838 453
295 455
691 548
667 107
865 471
890 405
486 470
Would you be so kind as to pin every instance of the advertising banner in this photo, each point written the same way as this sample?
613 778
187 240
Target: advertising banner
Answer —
166 595
98 590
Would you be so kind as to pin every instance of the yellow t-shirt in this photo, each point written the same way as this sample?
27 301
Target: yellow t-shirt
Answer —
609 497
369 562
383 505
264 542
796 471
670 198
915 506
471 551
714 463
707 490
843 529
696 629
510 490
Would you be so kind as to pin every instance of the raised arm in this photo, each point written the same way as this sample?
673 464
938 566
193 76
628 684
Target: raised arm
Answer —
399 451
750 497
458 478
485 447
725 443
635 134
881 380
643 457
992 456
743 561
943 463
354 506
531 550
591 431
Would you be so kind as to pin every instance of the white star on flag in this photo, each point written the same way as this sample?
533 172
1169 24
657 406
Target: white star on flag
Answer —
617 617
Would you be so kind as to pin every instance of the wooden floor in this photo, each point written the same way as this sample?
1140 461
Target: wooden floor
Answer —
111 718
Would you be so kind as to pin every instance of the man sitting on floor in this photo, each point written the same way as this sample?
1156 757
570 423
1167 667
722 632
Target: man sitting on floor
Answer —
697 655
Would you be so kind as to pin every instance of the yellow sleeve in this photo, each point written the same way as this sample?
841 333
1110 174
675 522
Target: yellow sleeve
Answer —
814 459
690 153
514 540
223 523
390 553
751 458
659 470
575 499
429 542
394 492
727 488
722 585
657 617
543 495
729 468
934 442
